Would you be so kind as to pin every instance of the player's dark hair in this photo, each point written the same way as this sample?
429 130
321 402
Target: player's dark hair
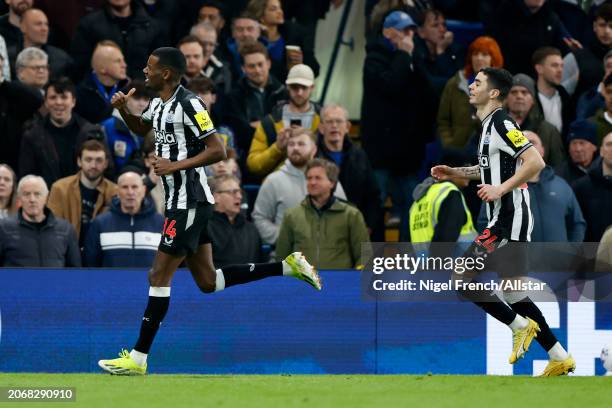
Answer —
542 53
500 79
188 39
61 85
604 12
331 170
172 59
252 47
92 145
201 85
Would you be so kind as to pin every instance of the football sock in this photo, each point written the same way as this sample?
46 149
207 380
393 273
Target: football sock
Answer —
138 357
236 274
491 304
557 352
527 308
159 300
519 322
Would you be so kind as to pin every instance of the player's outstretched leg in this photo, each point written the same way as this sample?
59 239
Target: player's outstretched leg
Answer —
210 279
160 276
560 362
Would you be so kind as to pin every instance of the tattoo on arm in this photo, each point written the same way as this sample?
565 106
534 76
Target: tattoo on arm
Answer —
472 172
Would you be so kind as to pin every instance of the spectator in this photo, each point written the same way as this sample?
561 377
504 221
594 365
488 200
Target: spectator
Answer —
124 145
10 23
435 52
603 261
521 27
32 68
552 100
279 35
35 29
81 197
307 14
269 145
225 167
212 12
8 189
585 61
18 103
327 231
65 15
603 118
253 96
356 173
235 240
6 67
128 235
286 188
49 145
212 67
457 120
107 77
126 23
396 113
581 139
592 100
556 213
244 30
36 238
519 104
594 192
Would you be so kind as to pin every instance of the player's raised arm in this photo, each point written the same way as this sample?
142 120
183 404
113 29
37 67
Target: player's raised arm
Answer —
442 172
135 123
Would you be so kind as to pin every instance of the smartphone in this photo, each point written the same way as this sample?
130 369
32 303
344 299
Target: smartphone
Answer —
295 122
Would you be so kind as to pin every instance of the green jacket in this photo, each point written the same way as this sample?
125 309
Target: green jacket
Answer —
457 120
329 239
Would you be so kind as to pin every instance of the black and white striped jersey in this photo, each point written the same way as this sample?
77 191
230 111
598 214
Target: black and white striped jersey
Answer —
501 142
180 125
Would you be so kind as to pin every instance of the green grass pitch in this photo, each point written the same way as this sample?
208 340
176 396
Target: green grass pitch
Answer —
174 391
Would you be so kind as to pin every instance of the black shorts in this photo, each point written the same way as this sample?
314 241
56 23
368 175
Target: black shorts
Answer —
185 230
506 257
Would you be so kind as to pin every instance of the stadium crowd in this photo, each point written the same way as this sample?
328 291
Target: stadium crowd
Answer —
77 186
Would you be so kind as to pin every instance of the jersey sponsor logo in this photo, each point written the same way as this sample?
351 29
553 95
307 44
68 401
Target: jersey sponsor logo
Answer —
483 161
203 121
516 137
161 137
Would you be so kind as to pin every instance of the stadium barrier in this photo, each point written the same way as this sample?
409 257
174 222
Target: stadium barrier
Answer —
65 320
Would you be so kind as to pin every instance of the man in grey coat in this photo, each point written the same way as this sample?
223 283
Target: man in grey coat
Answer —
286 187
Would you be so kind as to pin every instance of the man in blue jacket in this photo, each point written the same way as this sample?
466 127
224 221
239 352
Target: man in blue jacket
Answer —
128 235
556 213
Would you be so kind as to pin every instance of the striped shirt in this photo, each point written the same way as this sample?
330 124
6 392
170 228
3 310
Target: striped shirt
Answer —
180 125
500 145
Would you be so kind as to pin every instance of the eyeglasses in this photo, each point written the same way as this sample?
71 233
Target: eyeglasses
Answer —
232 192
334 121
37 67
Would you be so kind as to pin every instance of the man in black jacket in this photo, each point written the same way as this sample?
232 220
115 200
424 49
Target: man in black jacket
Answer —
594 193
49 146
234 239
254 96
396 111
35 238
126 23
356 175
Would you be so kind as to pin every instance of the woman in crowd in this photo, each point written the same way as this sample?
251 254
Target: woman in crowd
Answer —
456 117
8 188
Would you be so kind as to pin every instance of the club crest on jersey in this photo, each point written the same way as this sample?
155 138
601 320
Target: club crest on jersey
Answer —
161 137
486 139
516 137
170 117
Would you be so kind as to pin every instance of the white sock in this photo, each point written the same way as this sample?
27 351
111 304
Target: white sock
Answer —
287 269
557 352
138 357
519 322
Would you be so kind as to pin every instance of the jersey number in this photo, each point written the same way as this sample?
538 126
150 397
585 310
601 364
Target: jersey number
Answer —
169 229
488 242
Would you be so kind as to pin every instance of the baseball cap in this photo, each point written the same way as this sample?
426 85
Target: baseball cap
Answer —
582 129
399 20
525 81
300 74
